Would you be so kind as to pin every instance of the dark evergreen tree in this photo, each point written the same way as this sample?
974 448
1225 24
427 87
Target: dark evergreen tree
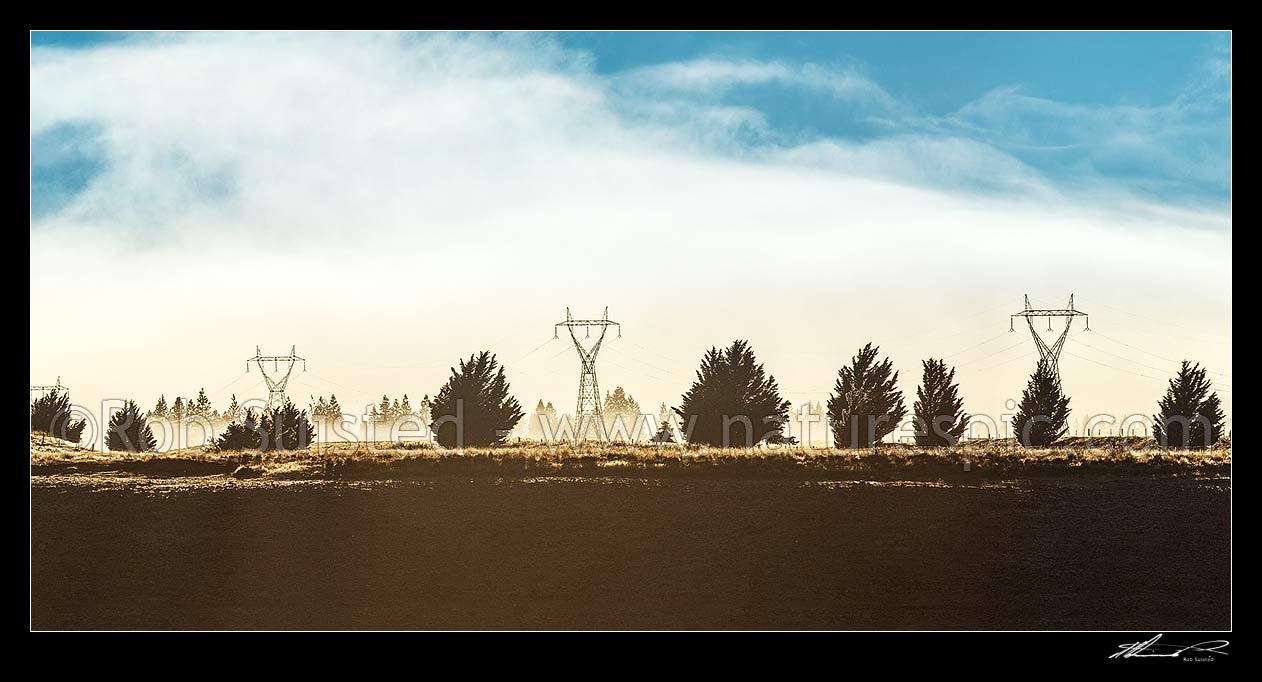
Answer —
474 408
938 410
177 409
1043 415
286 427
865 404
1190 414
50 414
241 435
130 431
732 390
335 409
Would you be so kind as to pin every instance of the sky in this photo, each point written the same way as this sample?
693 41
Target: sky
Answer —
389 203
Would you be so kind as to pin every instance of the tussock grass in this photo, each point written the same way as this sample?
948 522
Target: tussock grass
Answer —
384 460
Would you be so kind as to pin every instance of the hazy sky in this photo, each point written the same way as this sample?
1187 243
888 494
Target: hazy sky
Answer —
389 203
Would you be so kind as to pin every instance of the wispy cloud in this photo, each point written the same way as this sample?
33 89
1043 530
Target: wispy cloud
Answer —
716 76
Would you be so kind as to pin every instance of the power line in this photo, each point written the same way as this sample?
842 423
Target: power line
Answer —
991 355
647 364
1161 357
976 345
1164 323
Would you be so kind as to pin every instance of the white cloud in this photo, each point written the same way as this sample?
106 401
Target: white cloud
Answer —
715 76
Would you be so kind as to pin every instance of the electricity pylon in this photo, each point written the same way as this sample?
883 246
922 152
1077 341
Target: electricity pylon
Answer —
41 390
276 387
588 390
1049 354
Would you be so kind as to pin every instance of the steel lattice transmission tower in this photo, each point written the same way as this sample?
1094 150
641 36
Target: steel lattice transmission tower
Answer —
276 387
1049 354
588 389
48 389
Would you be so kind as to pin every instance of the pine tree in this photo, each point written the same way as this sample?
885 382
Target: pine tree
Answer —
321 410
536 426
665 434
1043 414
130 431
939 414
233 412
865 404
286 428
425 408
335 409
51 414
621 408
177 409
1190 414
734 402
476 396
200 408
160 410
396 410
405 408
384 413
244 435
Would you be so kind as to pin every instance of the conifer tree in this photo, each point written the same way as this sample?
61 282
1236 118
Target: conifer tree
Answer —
938 410
51 414
865 404
241 435
233 412
474 408
129 431
1043 415
734 402
1190 414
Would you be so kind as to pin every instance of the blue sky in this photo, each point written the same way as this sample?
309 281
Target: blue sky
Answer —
1146 111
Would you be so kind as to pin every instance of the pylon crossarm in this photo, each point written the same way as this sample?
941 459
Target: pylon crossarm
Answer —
1061 312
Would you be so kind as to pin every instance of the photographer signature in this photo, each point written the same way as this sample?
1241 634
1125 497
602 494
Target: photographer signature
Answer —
1151 649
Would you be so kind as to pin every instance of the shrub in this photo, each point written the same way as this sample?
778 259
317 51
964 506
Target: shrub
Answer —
130 431
50 414
241 435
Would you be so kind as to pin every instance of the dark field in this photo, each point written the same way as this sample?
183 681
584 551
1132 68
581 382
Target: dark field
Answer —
1139 552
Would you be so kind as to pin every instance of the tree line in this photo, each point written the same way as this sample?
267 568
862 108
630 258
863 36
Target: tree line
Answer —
733 402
